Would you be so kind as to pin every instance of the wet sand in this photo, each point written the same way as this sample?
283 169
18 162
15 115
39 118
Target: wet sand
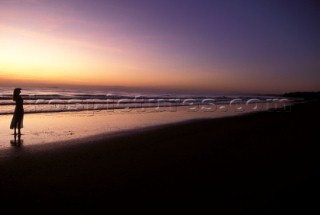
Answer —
47 128
263 162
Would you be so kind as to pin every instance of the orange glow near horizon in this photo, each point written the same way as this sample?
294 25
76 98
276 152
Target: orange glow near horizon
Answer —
29 56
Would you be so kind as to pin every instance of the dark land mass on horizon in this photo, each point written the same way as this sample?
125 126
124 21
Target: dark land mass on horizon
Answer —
263 162
303 95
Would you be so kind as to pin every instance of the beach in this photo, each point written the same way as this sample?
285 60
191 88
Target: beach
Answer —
159 107
262 162
55 128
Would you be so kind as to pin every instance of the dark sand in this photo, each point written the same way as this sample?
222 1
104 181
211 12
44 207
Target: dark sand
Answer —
265 162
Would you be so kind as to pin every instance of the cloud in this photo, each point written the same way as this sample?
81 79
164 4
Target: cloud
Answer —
26 1
21 1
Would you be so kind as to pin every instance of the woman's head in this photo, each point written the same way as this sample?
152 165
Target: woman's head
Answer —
16 93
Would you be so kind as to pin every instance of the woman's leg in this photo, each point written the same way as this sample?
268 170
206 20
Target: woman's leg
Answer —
19 127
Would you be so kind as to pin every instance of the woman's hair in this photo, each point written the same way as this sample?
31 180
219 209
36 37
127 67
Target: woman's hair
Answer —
16 93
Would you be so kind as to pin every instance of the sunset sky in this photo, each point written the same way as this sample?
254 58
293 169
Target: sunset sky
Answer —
263 46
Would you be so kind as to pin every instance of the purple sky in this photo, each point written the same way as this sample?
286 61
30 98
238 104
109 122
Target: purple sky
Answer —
249 45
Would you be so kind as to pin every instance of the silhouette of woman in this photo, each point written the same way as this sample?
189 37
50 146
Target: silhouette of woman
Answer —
17 119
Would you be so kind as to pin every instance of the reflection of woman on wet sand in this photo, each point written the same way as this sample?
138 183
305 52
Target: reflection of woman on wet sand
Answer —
16 142
17 120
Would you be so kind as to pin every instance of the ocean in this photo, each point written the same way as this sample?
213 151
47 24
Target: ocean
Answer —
49 100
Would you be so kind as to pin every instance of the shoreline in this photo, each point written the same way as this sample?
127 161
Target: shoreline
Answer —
49 128
262 161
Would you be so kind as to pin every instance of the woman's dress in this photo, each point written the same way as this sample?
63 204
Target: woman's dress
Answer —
18 114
